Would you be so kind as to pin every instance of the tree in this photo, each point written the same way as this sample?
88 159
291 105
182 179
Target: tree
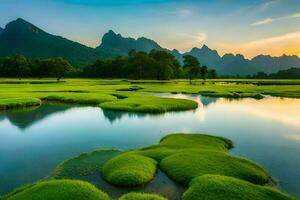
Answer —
60 68
203 72
166 64
192 66
212 73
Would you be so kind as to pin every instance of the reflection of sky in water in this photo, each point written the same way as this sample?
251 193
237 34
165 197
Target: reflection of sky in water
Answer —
34 142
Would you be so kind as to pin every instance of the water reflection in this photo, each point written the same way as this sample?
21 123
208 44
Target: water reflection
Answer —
32 143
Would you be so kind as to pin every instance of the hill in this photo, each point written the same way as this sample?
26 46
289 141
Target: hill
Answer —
22 37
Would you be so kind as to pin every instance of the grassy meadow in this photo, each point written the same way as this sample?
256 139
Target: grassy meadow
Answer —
202 164
131 95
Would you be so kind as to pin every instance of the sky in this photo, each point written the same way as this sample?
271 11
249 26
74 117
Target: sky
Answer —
248 27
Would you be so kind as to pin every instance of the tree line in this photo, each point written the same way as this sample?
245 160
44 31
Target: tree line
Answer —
292 73
159 65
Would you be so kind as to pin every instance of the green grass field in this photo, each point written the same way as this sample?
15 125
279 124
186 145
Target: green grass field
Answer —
128 95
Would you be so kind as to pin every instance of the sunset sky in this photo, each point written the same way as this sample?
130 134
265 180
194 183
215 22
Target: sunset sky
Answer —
249 27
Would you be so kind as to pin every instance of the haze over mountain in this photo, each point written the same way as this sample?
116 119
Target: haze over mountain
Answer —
22 37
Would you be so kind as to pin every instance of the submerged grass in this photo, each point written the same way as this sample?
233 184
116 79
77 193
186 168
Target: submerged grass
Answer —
141 196
84 164
211 187
58 190
129 170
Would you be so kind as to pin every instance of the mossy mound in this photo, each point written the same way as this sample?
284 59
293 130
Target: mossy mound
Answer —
59 190
14 103
150 104
186 165
84 164
141 196
129 170
178 142
80 98
212 187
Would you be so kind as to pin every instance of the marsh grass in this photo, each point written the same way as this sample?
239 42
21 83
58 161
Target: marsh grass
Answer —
15 103
59 190
211 187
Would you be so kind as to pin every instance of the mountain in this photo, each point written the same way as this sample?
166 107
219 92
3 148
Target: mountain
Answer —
22 37
206 56
115 44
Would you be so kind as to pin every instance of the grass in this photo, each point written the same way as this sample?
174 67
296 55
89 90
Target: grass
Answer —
186 158
176 143
149 104
129 170
211 187
59 190
186 165
80 98
84 164
141 196
125 95
14 103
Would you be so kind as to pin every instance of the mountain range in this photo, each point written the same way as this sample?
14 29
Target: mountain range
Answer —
22 37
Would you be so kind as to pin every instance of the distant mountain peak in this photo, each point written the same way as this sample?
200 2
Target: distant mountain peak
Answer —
20 25
116 44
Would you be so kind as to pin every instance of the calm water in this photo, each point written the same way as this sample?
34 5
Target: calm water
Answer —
32 143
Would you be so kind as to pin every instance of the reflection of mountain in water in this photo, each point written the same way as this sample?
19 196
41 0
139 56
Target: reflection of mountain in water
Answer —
25 118
112 115
208 100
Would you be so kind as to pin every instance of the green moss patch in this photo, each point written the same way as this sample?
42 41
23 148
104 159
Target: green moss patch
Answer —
141 196
129 170
84 164
14 103
212 187
59 190
185 166
149 104
178 142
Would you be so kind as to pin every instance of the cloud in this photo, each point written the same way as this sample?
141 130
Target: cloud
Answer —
265 6
280 38
261 22
270 20
200 37
287 43
182 13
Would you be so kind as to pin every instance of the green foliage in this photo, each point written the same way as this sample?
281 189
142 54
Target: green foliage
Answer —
159 65
14 103
141 196
129 170
20 67
84 164
58 190
211 187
